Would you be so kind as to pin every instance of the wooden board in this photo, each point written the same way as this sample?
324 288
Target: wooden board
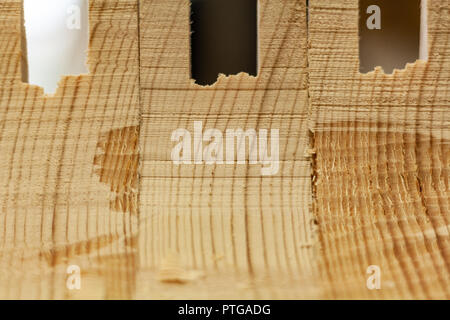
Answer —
382 160
87 176
62 165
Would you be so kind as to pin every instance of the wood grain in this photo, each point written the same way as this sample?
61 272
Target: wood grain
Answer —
245 236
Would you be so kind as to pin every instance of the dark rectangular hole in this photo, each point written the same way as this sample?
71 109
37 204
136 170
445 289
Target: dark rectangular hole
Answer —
389 33
223 38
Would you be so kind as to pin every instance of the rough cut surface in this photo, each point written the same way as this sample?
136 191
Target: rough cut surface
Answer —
86 176
244 235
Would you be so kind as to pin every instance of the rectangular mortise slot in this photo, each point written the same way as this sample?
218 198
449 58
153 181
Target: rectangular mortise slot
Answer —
223 38
390 33
55 41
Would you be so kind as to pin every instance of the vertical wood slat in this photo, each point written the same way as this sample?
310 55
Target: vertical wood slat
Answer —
381 169
55 210
69 164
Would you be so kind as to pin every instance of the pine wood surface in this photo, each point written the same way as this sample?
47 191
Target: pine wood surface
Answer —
87 177
381 160
56 192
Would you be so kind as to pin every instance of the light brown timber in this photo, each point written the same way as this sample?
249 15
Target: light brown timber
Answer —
55 199
382 160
